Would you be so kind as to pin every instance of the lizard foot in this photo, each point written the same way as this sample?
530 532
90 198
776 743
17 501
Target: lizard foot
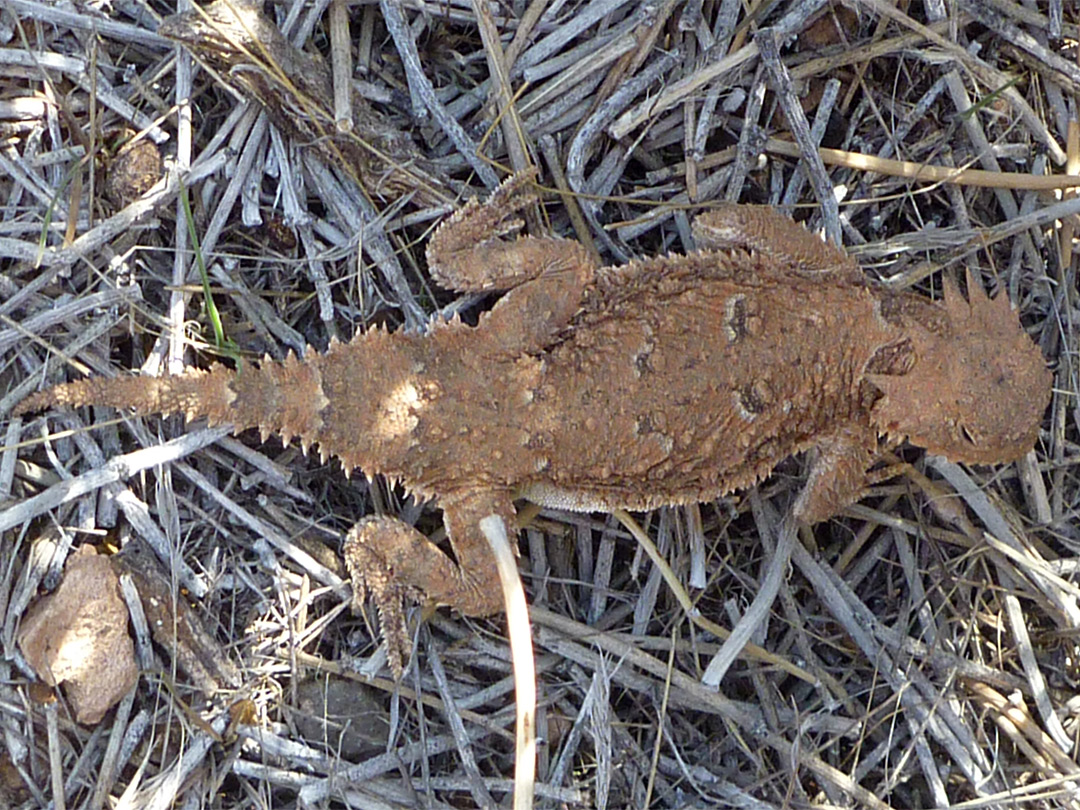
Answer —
838 473
478 221
761 229
371 573
478 249
390 560
475 249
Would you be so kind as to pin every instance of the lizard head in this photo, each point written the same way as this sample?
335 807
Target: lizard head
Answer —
975 391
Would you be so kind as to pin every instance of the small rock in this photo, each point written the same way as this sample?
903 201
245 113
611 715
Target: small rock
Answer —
78 636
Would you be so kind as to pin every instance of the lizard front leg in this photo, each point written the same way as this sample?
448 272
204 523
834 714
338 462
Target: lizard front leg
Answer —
389 559
839 473
767 231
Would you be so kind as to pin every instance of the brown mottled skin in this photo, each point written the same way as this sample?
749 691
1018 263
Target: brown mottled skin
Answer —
665 381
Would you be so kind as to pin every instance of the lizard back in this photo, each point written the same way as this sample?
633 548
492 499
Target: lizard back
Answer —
685 378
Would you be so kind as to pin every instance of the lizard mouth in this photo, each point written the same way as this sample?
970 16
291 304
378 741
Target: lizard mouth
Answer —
996 428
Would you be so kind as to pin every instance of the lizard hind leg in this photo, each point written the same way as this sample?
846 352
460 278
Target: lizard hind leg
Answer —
372 573
464 252
390 560
477 249
545 276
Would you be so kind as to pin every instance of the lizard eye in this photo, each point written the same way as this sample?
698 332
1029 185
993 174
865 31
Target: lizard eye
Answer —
968 437
895 359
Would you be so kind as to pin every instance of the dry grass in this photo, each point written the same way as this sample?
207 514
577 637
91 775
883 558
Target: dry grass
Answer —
922 651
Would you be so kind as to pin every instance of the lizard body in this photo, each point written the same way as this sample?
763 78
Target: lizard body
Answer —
664 381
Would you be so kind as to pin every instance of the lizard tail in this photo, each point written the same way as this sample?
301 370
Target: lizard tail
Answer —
275 397
194 393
